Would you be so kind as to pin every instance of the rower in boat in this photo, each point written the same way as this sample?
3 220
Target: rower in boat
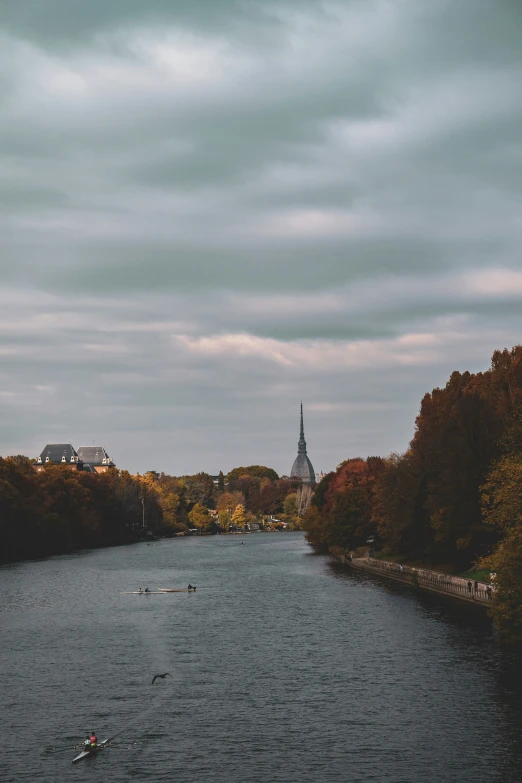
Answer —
90 749
190 587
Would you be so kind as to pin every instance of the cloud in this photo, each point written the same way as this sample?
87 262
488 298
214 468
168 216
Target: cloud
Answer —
211 211
495 283
326 356
319 355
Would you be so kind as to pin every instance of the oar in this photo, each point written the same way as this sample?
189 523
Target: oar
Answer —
51 751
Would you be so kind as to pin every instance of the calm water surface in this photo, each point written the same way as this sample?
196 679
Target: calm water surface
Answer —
284 668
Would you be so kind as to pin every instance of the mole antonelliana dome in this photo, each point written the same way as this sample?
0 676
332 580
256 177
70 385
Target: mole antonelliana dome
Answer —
302 467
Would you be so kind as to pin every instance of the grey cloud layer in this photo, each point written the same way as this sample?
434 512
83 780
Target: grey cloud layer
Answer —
209 210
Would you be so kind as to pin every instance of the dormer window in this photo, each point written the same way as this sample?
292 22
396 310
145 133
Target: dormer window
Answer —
47 459
63 459
39 460
74 459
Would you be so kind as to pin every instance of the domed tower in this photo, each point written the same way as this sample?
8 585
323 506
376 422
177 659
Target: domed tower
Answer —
302 467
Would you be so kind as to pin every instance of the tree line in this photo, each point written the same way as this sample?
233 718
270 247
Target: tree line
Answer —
453 500
57 509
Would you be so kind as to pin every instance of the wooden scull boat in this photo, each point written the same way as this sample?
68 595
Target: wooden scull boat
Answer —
90 752
177 590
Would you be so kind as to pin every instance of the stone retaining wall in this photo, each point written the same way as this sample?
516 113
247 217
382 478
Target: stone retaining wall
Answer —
427 580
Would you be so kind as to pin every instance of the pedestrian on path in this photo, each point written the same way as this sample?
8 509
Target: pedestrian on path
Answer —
469 587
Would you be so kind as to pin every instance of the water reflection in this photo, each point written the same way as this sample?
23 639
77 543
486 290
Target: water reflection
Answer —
474 646
286 667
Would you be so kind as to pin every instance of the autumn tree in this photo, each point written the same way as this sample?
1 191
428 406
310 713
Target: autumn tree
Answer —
239 516
502 509
257 471
317 527
229 500
269 497
200 488
172 501
199 516
402 522
68 512
20 532
249 488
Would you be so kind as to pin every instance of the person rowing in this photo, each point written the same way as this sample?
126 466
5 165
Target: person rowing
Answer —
87 743
190 587
147 590
93 739
140 590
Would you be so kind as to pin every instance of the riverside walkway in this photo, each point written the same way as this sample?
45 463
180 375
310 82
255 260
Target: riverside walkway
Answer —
435 581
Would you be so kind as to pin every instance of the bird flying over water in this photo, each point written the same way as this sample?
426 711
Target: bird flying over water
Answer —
161 676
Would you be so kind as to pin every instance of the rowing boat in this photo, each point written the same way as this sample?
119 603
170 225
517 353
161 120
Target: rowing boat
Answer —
137 592
91 752
172 590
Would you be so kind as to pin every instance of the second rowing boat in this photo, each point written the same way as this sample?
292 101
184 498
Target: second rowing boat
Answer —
91 752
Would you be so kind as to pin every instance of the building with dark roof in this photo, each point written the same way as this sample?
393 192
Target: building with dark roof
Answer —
95 458
302 467
59 454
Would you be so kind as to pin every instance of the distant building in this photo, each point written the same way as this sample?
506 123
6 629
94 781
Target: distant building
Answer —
302 467
59 454
92 459
95 459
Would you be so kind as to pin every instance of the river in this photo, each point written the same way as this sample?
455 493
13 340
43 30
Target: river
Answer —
285 667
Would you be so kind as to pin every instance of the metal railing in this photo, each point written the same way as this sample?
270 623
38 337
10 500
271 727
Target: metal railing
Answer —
453 585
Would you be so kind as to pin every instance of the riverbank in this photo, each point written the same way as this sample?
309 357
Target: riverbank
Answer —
478 593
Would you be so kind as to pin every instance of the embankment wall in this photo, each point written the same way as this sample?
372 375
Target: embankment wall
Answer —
434 581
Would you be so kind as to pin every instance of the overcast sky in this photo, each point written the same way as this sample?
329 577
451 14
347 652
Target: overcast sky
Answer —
212 209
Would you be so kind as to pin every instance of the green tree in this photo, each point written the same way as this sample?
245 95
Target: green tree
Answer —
200 488
290 504
221 482
502 509
501 494
224 517
506 605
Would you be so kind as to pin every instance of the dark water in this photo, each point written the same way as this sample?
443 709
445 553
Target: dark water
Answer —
285 668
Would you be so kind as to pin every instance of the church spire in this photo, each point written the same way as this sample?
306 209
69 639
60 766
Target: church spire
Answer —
302 467
301 446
